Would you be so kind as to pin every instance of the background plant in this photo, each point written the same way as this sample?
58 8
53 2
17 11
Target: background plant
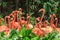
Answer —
31 6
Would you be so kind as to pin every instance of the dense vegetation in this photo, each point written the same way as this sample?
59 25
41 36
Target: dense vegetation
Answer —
30 6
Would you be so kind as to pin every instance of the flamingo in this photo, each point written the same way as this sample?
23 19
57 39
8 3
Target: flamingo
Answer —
5 28
45 23
58 29
39 25
43 11
21 20
52 21
14 24
28 24
47 29
20 11
14 13
37 20
56 22
52 26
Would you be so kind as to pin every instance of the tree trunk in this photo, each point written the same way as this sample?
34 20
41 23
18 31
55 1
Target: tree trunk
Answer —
26 5
17 4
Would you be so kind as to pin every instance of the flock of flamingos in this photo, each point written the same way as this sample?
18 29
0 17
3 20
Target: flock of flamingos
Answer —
37 29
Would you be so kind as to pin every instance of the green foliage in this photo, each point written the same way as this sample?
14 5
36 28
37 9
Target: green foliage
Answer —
13 33
57 37
0 16
50 36
32 19
26 38
2 34
35 38
24 32
4 4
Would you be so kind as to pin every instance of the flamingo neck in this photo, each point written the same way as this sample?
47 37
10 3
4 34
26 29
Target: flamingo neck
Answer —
42 16
56 23
52 22
9 23
40 25
15 16
45 25
43 11
20 12
28 20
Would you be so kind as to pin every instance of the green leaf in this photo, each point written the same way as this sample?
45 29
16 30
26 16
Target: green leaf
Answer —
13 33
35 38
24 32
2 34
50 36
33 35
26 38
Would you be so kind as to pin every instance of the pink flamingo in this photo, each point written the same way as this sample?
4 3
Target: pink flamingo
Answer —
37 29
52 21
39 25
37 20
56 22
14 25
47 29
21 21
58 29
52 25
27 22
5 28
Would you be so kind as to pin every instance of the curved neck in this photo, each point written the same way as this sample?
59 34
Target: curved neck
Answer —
45 24
15 16
8 20
5 19
42 16
28 19
56 23
27 22
51 20
43 11
12 17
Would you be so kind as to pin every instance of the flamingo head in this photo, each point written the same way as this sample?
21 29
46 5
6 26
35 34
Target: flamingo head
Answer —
56 18
54 15
41 10
20 9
